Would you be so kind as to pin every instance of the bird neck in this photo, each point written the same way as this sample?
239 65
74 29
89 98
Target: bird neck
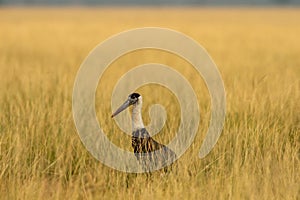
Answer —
137 121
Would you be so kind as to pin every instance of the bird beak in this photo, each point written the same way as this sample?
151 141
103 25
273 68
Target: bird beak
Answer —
125 105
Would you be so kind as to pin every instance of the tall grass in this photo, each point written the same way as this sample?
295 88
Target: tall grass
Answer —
256 157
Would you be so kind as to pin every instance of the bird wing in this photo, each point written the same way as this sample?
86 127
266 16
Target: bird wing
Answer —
143 143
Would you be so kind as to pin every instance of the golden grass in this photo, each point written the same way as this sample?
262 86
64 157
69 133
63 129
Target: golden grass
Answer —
256 50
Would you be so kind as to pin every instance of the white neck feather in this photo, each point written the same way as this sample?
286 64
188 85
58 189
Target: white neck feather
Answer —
137 121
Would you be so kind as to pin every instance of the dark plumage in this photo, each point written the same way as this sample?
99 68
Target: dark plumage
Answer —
143 143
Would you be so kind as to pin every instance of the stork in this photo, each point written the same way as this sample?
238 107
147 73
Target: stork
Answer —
142 143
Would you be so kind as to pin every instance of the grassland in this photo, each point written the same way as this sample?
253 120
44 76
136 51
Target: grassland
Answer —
256 50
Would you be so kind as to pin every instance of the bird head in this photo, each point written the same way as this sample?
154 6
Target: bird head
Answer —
133 99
